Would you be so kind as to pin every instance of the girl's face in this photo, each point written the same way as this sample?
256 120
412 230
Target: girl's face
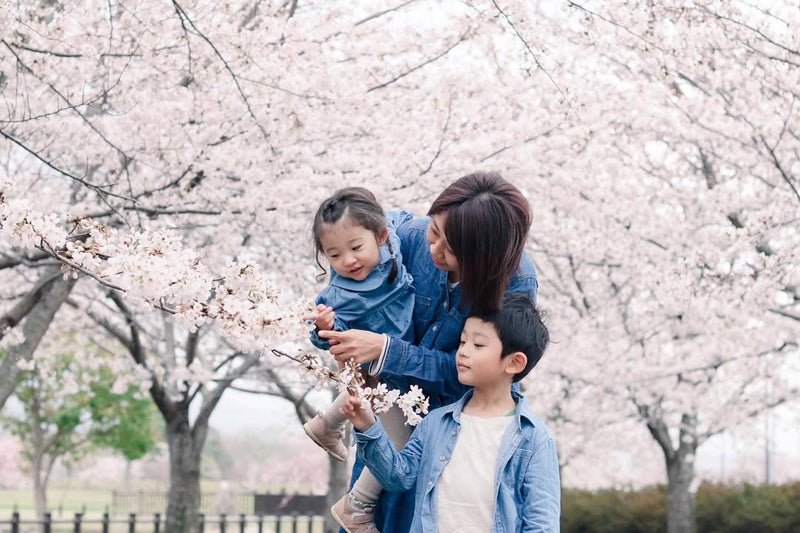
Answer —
352 250
442 254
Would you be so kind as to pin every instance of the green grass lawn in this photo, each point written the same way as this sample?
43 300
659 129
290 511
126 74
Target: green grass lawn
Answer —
64 501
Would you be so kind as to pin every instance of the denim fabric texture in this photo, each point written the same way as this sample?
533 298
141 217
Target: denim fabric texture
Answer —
429 360
527 484
372 304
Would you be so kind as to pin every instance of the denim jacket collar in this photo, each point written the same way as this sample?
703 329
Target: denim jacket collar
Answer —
521 411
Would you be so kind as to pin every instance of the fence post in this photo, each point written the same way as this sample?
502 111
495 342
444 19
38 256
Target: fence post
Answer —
201 522
132 523
77 522
242 522
48 521
222 523
260 523
294 521
15 522
106 521
157 522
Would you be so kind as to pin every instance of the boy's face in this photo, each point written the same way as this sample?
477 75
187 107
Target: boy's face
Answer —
478 358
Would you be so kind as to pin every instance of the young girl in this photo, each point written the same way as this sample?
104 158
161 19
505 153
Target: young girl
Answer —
369 289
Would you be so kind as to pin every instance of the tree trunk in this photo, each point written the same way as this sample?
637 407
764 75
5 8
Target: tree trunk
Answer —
680 498
681 516
37 321
128 464
39 487
185 451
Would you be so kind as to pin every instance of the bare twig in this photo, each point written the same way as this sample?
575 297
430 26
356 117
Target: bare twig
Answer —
424 63
529 49
384 12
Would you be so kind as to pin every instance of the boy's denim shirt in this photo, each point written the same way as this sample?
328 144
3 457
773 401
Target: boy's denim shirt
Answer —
429 360
372 304
527 484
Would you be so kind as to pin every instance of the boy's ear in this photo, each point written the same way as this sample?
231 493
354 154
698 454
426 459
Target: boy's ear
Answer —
383 237
516 363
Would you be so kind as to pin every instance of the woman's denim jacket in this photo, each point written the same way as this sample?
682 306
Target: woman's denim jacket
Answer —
429 360
372 304
527 485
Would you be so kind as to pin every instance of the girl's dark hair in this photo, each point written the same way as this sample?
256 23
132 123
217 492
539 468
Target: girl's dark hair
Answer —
487 225
360 206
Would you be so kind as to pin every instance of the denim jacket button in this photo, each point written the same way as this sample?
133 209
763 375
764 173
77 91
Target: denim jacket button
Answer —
441 457
430 483
434 328
453 433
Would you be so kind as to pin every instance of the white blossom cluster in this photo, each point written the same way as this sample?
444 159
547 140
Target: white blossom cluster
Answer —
350 379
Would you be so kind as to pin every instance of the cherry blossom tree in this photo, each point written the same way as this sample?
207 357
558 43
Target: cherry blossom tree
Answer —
169 157
683 298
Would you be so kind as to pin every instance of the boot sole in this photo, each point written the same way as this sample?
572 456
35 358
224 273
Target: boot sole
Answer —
321 445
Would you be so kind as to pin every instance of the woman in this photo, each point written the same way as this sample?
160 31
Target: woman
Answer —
463 256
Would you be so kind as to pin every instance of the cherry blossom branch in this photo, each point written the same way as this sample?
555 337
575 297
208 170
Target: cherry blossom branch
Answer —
530 50
384 12
780 168
421 65
46 52
414 404
184 16
102 193
441 138
71 106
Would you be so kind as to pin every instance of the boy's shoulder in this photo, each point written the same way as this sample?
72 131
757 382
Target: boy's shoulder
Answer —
531 425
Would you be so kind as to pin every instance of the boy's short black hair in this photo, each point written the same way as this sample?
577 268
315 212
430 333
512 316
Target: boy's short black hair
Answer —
520 328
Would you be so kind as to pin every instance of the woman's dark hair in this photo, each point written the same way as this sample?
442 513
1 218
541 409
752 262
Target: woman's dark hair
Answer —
361 207
487 225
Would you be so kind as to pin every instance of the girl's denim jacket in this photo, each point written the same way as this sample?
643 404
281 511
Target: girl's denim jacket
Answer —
527 484
428 360
372 304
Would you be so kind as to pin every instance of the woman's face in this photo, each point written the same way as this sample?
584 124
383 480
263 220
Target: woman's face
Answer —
442 254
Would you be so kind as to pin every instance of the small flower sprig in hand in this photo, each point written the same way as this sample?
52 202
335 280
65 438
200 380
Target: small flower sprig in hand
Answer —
414 403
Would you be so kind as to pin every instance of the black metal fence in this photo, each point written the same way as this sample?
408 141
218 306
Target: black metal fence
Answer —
134 523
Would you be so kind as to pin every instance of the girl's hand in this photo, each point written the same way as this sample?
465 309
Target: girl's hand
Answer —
354 345
362 419
322 316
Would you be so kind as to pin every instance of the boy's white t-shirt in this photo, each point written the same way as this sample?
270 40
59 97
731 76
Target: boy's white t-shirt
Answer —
465 493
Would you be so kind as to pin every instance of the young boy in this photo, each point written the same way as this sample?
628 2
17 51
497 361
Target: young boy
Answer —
484 463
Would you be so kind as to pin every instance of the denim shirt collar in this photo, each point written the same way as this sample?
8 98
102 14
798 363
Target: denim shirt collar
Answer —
521 411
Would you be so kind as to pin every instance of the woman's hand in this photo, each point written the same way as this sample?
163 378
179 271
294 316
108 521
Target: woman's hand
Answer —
362 419
354 345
